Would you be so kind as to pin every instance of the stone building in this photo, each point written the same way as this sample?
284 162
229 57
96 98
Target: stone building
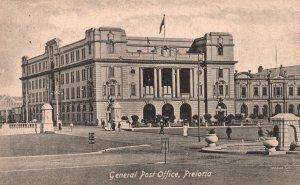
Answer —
147 76
8 107
268 92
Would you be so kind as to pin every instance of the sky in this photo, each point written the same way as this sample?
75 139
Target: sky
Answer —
257 26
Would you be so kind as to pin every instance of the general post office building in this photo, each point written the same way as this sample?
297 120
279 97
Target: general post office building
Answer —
147 76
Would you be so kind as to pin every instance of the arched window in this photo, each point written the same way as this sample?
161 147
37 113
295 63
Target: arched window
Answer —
255 110
291 108
265 110
244 110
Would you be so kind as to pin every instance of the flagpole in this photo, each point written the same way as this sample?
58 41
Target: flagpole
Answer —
164 29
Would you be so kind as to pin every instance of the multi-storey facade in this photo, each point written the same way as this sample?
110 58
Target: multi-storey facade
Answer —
268 91
146 76
10 108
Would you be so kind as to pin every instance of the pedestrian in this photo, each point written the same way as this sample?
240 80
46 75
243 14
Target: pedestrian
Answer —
71 126
103 123
97 122
228 132
113 126
119 126
59 126
162 129
260 134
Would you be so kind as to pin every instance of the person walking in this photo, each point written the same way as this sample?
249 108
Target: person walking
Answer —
228 132
119 126
260 134
161 129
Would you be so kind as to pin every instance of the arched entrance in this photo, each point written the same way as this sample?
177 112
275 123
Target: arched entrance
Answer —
255 110
149 113
277 109
265 110
244 110
167 111
185 112
291 108
221 112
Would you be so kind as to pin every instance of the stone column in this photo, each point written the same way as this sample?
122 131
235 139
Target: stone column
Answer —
155 83
141 83
178 83
173 83
160 90
191 82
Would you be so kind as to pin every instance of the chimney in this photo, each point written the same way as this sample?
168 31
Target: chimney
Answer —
260 69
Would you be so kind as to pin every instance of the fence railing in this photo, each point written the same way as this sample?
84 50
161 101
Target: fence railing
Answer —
19 128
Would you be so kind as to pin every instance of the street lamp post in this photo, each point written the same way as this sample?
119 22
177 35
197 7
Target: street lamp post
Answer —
27 101
269 96
198 95
57 93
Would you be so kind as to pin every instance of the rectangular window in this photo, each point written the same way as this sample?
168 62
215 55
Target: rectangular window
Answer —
255 91
36 84
83 91
78 92
112 90
32 68
36 68
62 94
104 90
29 86
36 97
278 92
220 73
298 91
40 97
214 90
77 76
72 77
72 56
291 91
119 90
67 58
77 55
243 92
44 82
62 79
62 60
264 91
132 87
72 93
32 84
111 72
40 83
44 65
221 90
67 93
83 53
40 67
83 74
67 78
90 49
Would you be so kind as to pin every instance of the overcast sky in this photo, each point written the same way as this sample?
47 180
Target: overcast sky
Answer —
258 26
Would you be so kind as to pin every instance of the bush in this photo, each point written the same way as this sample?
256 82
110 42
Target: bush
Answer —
238 117
211 131
125 118
207 117
172 118
135 119
260 116
229 118
195 117
158 118
253 116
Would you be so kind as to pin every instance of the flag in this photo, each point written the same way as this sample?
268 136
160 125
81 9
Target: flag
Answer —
162 24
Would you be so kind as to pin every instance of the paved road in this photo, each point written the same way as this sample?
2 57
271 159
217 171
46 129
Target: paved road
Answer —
145 165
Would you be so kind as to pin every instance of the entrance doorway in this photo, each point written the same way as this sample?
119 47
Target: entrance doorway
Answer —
149 113
185 112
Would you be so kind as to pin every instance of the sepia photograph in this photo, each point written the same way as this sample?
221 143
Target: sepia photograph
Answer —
99 92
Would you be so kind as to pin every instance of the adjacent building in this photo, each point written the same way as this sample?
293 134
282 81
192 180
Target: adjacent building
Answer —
10 109
147 76
268 91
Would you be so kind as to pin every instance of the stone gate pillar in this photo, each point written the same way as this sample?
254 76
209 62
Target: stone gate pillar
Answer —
289 132
47 122
116 112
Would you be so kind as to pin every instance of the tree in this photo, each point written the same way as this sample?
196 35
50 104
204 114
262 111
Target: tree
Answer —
135 119
238 117
253 116
125 118
260 116
207 117
229 118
